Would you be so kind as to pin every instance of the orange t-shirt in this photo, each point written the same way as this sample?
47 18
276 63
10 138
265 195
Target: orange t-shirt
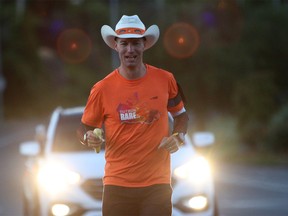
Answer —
134 113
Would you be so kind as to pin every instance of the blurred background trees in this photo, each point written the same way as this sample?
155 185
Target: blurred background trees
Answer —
231 60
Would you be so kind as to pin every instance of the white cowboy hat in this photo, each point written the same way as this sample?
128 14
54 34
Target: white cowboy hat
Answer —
130 27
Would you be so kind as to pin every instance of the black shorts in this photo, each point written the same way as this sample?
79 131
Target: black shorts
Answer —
143 201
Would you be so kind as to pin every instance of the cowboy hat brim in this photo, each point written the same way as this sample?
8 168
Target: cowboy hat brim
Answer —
151 35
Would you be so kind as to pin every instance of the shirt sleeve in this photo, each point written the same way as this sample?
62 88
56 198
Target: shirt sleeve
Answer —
175 102
93 114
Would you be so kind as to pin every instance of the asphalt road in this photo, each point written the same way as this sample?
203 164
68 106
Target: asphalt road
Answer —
11 165
252 190
242 190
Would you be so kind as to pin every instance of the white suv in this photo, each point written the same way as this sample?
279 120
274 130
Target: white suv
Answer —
63 177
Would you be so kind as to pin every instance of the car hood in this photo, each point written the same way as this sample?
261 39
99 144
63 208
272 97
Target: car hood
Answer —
182 156
88 164
91 165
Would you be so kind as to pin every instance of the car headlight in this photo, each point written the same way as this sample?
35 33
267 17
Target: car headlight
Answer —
197 170
54 177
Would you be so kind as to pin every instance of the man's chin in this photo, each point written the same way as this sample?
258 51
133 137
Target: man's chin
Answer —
131 64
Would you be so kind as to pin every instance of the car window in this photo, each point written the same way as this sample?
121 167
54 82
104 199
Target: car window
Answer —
65 139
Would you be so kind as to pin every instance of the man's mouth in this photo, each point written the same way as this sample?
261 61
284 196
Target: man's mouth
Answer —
130 57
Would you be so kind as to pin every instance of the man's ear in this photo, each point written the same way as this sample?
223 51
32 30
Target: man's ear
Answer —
144 42
115 45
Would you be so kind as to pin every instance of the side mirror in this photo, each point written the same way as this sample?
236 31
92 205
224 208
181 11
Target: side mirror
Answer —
203 139
30 148
40 134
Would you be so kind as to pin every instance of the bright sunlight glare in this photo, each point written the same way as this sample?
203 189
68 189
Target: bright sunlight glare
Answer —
197 170
60 210
198 202
181 40
74 45
55 177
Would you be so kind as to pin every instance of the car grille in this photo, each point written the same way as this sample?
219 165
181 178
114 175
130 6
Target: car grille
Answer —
93 187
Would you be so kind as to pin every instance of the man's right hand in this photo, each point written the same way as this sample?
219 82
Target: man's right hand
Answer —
92 140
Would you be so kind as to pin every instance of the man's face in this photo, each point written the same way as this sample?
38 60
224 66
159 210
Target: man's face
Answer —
130 50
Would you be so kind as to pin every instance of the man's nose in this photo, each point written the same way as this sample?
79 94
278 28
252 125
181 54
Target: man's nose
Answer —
130 47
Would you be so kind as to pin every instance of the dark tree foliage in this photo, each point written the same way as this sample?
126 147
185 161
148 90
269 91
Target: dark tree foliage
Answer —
239 65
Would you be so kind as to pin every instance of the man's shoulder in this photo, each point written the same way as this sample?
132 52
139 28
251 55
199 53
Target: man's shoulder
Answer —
108 78
157 69
111 75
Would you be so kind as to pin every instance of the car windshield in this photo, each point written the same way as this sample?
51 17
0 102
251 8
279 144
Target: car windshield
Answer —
65 135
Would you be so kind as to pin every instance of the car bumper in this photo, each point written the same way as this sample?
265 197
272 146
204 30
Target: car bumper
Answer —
75 201
187 198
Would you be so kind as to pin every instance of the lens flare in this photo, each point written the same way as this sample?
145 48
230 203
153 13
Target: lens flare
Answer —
74 45
181 40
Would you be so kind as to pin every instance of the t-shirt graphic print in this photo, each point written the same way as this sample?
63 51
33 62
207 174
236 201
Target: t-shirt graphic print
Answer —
135 111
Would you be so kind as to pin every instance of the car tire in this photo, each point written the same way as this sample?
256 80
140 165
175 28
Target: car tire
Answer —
30 209
216 210
25 206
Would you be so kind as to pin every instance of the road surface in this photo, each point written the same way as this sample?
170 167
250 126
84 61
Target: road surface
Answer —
242 190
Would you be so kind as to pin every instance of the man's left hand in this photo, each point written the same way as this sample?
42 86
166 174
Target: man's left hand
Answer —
171 144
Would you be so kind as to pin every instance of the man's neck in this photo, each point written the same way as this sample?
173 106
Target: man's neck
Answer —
131 73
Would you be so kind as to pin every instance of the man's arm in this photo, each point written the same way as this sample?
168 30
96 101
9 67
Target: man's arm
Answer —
81 131
180 123
173 142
